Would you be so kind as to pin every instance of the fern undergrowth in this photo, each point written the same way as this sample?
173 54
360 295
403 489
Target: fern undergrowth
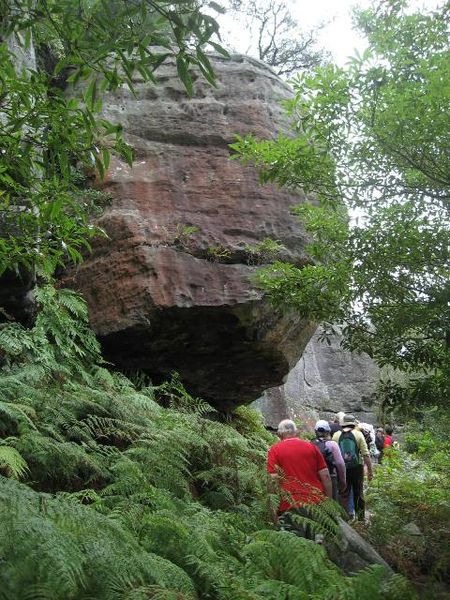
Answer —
107 493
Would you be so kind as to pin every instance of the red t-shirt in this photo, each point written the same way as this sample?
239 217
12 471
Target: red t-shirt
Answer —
387 441
298 462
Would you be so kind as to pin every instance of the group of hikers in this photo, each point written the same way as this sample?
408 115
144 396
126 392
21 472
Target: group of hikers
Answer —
333 465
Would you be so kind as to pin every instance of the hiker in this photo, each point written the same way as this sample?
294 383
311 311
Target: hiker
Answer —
335 425
388 439
299 471
379 442
369 435
332 455
355 454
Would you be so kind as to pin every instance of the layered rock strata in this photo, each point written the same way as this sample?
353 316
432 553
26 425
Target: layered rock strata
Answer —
171 288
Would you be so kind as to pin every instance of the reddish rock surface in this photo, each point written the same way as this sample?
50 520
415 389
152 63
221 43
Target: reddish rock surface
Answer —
156 300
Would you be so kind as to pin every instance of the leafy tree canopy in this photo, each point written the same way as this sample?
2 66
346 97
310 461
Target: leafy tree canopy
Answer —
47 134
371 140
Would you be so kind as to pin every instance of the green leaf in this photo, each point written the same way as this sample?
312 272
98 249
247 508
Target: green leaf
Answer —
89 96
12 463
217 7
219 49
106 156
205 66
183 73
99 165
73 104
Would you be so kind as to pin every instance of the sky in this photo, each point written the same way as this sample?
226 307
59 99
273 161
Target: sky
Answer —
337 36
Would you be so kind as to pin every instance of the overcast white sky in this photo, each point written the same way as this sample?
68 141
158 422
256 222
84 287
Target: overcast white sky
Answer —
337 36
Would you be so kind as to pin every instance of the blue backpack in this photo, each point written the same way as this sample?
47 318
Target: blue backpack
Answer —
349 449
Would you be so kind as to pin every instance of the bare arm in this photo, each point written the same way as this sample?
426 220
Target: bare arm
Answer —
339 463
325 478
273 487
366 456
368 464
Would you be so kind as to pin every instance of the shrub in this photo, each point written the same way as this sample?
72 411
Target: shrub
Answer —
121 498
410 510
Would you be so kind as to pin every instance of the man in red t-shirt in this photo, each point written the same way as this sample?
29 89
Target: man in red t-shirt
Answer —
299 470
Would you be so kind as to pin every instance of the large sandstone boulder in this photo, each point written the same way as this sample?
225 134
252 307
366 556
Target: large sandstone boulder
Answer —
352 553
171 289
327 379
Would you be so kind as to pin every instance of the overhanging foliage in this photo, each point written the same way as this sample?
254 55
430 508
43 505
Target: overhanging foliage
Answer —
47 131
373 139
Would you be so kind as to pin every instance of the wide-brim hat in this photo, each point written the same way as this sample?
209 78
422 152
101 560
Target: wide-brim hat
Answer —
340 416
349 420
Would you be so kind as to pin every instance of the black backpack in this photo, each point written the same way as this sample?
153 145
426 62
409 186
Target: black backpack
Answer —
326 453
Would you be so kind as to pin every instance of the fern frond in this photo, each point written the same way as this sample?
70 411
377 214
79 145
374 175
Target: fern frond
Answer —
14 339
22 381
12 464
286 557
178 398
68 299
21 416
146 501
154 570
154 592
321 518
60 465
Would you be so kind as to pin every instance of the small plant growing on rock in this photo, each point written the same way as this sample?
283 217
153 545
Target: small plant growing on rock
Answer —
181 237
183 234
218 254
263 252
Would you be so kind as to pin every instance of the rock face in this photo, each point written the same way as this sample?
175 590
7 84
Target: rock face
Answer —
171 289
326 380
353 553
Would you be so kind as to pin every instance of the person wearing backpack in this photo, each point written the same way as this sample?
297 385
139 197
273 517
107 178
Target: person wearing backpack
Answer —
334 425
369 435
355 453
332 455
379 442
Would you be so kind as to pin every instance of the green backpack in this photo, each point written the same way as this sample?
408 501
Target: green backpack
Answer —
349 449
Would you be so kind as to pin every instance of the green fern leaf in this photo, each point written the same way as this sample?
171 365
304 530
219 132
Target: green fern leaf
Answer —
12 464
